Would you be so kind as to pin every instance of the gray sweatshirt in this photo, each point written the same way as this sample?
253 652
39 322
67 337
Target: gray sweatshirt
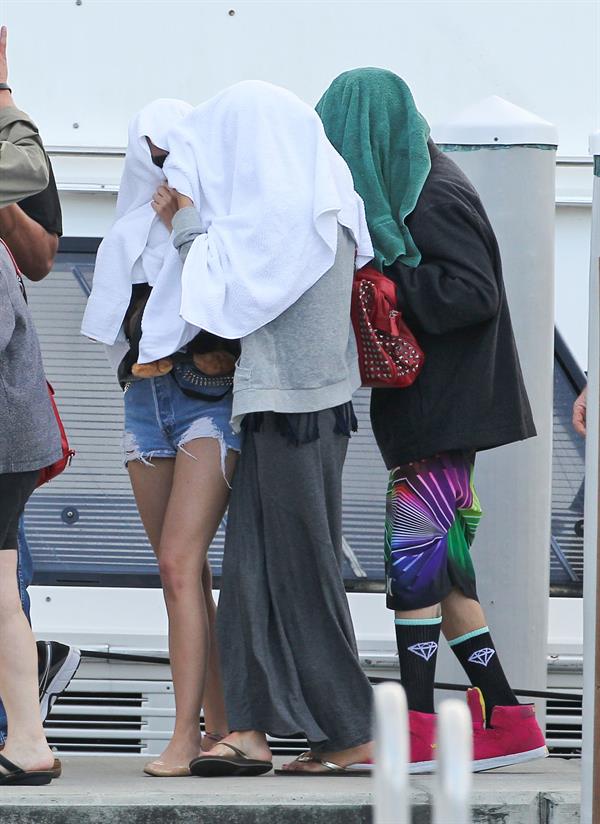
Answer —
29 435
306 359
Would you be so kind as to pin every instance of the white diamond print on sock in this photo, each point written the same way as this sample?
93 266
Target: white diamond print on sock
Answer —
482 656
425 650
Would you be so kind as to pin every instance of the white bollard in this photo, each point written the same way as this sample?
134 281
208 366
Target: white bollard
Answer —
509 155
452 799
391 804
589 794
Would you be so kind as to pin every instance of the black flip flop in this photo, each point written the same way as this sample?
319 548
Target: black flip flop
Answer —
15 776
215 766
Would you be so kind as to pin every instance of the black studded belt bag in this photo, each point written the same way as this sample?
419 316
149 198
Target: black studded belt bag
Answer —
195 384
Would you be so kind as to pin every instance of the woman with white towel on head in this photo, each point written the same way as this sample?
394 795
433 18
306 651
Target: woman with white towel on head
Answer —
179 448
269 228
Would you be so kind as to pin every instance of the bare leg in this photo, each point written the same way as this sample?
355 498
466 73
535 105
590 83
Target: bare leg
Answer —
460 615
197 503
215 715
26 744
153 487
420 614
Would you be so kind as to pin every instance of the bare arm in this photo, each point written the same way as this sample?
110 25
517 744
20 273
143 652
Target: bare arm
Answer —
580 413
32 246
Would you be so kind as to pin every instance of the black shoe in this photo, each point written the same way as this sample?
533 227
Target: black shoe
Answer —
57 664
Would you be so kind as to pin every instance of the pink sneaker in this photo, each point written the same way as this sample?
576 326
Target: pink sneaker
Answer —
422 742
513 736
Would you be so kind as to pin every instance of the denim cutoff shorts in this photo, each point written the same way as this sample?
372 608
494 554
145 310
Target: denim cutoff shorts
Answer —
160 419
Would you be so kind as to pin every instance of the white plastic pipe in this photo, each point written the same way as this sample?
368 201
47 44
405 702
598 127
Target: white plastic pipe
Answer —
452 800
590 595
391 804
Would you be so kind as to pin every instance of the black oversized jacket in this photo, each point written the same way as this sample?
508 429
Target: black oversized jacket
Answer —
470 394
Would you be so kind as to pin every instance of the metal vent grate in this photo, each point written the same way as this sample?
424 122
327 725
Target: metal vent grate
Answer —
96 723
123 717
564 728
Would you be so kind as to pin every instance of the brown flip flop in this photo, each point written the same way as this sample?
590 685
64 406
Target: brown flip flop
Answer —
215 766
56 767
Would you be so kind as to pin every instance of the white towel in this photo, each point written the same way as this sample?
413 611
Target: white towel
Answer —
137 248
270 190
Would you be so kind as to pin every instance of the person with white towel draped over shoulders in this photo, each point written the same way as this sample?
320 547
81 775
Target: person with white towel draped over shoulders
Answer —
270 230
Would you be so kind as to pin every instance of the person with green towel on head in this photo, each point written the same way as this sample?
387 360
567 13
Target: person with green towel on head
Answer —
432 237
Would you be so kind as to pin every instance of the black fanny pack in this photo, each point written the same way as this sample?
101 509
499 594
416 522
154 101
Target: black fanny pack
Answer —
195 384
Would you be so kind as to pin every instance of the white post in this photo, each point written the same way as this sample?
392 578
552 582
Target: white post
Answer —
391 756
509 155
590 789
452 801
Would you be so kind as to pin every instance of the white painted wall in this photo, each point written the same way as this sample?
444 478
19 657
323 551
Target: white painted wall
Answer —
95 63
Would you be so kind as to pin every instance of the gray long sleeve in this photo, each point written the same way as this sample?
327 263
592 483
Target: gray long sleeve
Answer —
186 228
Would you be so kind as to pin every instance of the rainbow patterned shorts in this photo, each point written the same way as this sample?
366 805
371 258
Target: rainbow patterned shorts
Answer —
432 515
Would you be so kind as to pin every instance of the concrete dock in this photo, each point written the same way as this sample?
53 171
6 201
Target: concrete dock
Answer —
113 790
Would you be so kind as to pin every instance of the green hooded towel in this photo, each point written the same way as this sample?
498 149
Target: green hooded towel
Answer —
370 117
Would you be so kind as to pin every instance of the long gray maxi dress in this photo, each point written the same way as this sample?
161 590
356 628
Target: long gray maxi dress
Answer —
288 649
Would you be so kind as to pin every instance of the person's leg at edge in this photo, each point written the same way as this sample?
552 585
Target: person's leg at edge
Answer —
24 579
180 524
26 744
215 714
464 627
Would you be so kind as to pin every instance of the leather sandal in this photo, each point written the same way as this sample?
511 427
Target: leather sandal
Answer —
56 768
16 776
214 766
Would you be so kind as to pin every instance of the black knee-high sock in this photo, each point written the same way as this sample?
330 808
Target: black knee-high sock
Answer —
417 651
479 659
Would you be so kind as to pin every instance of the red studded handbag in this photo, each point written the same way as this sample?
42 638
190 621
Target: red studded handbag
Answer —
388 353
